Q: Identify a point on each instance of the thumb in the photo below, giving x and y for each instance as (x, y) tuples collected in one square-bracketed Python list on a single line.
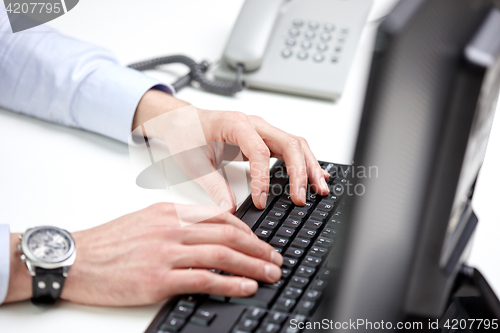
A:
[(218, 190)]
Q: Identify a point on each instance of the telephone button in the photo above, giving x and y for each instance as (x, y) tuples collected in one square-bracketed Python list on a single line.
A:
[(294, 32), (322, 47), (325, 37), (306, 44), (298, 22), (286, 53), (310, 34), (335, 59), (329, 27), (290, 42), (318, 57), (313, 25), (302, 55)]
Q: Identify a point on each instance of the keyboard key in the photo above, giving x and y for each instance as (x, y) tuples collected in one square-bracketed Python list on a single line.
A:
[(325, 206), (203, 318), (313, 224), (262, 298), (276, 285), (291, 292), (289, 262), (332, 197), (285, 232), (269, 224), (324, 273), (298, 281), (285, 273), (276, 215), (319, 215), (305, 307), (318, 284), (284, 304), (305, 271), (279, 241), (308, 206), (254, 313), (311, 197), (294, 252), (275, 317), (323, 242), (263, 234), (312, 295), (282, 205), (340, 180), (334, 223), (182, 311), (247, 325), (189, 300), (292, 223), (285, 197), (337, 189), (173, 324), (306, 233), (300, 243), (329, 233), (269, 328), (312, 261), (298, 213), (317, 251)]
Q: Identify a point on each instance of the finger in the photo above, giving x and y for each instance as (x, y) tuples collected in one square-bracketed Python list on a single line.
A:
[(218, 190), (227, 260), (223, 220), (317, 176), (290, 148), (235, 239), (200, 281), (207, 215), (242, 133)]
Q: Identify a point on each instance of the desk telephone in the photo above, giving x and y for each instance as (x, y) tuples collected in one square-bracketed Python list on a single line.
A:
[(301, 47)]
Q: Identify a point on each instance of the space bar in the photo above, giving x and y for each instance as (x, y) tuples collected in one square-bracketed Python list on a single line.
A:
[(252, 215)]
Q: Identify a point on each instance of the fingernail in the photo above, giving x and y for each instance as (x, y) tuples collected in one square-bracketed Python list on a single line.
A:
[(302, 194), (248, 286), (263, 199), (225, 205), (324, 185), (273, 272), (276, 258)]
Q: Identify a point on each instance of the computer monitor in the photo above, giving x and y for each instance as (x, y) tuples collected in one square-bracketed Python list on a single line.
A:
[(427, 115)]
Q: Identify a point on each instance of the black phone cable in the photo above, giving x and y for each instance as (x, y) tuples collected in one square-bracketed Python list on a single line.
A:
[(196, 74)]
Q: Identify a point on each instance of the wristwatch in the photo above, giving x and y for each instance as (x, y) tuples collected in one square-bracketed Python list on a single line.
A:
[(48, 253)]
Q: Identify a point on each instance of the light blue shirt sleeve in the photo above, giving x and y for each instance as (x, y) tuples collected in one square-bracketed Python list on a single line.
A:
[(4, 260), (54, 77)]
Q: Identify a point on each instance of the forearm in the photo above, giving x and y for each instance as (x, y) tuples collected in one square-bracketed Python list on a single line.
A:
[(153, 104), (19, 280)]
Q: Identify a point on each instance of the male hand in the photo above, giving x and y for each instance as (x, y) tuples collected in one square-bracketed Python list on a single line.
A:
[(146, 257), (258, 141)]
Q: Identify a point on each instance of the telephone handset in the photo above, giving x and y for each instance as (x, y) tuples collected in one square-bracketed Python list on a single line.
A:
[(300, 47)]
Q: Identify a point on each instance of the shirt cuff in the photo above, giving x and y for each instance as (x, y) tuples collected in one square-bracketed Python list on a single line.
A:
[(108, 98), (4, 260)]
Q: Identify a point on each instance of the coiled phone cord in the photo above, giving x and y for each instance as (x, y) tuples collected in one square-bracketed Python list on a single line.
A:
[(196, 74)]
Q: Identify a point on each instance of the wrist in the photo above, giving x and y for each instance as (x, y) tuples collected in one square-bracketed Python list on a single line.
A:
[(155, 103), (19, 279)]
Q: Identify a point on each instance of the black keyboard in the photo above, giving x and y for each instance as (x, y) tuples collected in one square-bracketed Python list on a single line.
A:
[(304, 235)]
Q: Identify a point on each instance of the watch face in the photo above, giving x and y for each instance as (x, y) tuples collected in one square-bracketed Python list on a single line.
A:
[(49, 245)]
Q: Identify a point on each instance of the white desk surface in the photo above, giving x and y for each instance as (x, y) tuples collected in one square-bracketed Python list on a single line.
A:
[(66, 177)]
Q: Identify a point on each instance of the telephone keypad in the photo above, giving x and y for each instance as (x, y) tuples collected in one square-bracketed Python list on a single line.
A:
[(324, 37)]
